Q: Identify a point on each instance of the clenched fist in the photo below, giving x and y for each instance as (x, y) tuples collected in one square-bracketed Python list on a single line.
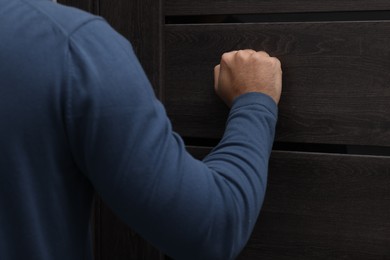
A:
[(247, 71)]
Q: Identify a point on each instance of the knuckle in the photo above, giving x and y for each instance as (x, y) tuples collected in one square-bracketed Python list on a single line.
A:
[(225, 56), (277, 63), (241, 53), (244, 55), (263, 54), (249, 51), (276, 60), (260, 55)]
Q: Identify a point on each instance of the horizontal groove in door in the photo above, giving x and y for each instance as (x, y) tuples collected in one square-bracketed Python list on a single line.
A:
[(204, 7), (280, 17), (206, 145), (336, 79)]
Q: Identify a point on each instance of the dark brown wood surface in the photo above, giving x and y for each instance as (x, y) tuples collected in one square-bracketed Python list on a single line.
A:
[(86, 5), (336, 91), (114, 240), (201, 7), (322, 206), (336, 78)]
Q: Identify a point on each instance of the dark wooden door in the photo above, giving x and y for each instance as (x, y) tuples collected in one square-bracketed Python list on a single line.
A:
[(328, 195)]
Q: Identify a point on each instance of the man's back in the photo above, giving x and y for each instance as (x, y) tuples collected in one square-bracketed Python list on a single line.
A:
[(43, 196)]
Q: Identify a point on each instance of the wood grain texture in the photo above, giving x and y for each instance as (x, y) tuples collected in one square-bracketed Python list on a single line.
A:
[(140, 22), (322, 206), (336, 78), (202, 7)]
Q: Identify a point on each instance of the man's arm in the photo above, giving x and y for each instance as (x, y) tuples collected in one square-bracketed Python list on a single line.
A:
[(123, 142)]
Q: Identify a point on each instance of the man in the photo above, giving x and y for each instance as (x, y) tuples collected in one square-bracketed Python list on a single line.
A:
[(78, 115)]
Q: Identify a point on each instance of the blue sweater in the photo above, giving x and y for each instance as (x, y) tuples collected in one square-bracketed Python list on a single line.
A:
[(79, 116)]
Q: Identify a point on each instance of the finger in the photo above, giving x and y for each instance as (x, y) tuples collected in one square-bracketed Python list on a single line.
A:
[(263, 54), (249, 51), (228, 56), (216, 76), (244, 54), (277, 63)]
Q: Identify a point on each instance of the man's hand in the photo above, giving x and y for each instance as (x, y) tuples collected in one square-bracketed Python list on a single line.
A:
[(247, 71)]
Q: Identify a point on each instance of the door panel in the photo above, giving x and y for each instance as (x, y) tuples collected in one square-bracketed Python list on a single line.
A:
[(322, 206), (336, 93), (336, 78)]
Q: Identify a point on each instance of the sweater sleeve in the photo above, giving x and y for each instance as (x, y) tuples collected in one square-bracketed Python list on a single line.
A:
[(123, 142)]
